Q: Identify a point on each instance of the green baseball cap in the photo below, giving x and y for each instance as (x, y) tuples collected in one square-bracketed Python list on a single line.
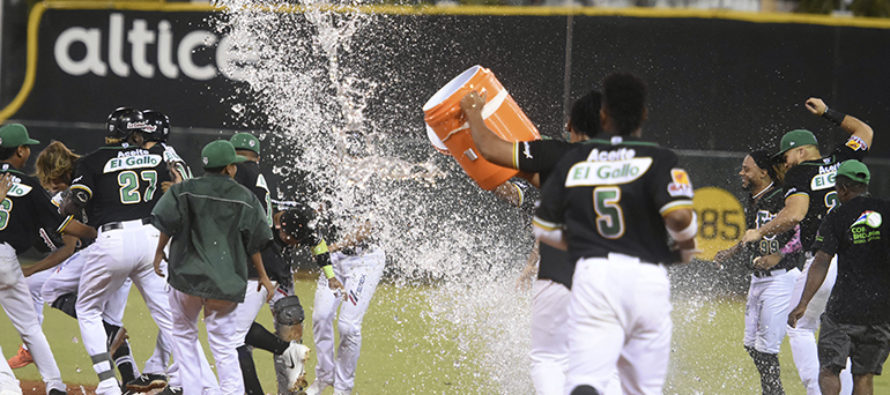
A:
[(796, 138), (246, 141), (15, 135), (854, 170), (219, 153)]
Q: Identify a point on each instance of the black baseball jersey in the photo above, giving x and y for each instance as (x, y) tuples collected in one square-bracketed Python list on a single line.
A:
[(124, 182), (25, 210), (757, 213), (609, 196), (857, 233), (249, 175), (815, 179)]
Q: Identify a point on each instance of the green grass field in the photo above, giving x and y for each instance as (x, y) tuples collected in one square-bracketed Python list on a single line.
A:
[(402, 355)]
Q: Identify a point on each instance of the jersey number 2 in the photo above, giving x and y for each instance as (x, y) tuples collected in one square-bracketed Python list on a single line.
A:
[(129, 183), (609, 217)]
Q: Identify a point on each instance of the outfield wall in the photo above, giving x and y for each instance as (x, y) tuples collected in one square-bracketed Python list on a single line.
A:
[(720, 82)]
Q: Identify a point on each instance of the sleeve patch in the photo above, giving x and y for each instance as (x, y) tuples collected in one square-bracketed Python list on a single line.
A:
[(680, 184), (856, 144)]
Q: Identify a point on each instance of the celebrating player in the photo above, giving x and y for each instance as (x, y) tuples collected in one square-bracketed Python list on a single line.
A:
[(856, 323), (612, 203), (549, 344), (774, 272), (25, 208), (216, 226), (809, 195), (250, 332)]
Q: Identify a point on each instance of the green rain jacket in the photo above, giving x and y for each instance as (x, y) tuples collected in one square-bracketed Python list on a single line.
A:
[(215, 225)]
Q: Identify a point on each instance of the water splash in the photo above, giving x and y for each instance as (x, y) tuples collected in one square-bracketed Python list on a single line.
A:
[(308, 83)]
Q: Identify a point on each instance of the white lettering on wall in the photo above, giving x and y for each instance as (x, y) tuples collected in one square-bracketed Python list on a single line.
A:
[(91, 63)]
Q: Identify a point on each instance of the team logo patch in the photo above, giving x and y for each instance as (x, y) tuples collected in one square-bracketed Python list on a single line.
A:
[(680, 184), (871, 218), (607, 173), (251, 143), (856, 144), (205, 160)]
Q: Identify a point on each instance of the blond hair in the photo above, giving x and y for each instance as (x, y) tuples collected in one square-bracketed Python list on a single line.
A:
[(55, 163)]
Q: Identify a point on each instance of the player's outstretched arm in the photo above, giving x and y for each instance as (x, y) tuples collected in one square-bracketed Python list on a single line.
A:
[(815, 277), (77, 229), (795, 210), (5, 185), (492, 148), (849, 123), (682, 226), (264, 282), (55, 258)]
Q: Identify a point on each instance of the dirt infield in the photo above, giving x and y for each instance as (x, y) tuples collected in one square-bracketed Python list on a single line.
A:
[(38, 388)]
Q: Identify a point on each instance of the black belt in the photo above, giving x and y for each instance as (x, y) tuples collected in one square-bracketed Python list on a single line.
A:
[(354, 249), (119, 225)]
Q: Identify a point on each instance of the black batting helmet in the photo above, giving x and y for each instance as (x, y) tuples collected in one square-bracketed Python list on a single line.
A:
[(161, 123), (124, 121), (298, 222)]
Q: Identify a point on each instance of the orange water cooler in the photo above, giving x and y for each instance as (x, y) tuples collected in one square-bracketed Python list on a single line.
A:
[(450, 134)]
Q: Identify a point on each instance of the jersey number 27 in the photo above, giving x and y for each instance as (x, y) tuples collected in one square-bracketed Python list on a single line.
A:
[(129, 183)]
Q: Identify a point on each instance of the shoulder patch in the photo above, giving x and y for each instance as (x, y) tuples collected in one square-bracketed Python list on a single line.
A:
[(680, 184), (607, 173), (856, 144)]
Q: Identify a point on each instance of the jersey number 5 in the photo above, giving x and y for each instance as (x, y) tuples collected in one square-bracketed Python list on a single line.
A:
[(609, 217), (129, 183)]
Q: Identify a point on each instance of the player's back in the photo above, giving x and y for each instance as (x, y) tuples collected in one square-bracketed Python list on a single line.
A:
[(815, 179), (123, 182), (250, 177), (615, 194)]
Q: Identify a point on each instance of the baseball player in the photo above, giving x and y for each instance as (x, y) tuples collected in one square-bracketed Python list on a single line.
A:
[(25, 208), (856, 323), (809, 195), (551, 293), (774, 272), (249, 176), (216, 225), (612, 203), (118, 185)]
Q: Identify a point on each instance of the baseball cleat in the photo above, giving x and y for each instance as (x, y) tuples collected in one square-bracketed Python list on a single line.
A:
[(317, 387), (119, 338), (168, 390), (147, 382), (21, 359), (294, 360)]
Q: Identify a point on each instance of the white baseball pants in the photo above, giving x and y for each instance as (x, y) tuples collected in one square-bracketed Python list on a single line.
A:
[(16, 301), (802, 338), (549, 344), (360, 275), (245, 313), (65, 279), (35, 284), (766, 313), (8, 382), (115, 256), (619, 315), (221, 335)]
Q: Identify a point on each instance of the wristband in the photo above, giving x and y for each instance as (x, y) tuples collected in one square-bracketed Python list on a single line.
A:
[(320, 248), (328, 271), (835, 117), (687, 233)]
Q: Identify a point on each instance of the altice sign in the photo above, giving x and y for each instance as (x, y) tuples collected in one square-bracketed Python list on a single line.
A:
[(141, 47)]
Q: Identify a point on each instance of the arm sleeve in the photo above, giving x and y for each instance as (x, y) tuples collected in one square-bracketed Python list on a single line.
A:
[(166, 216), (671, 186), (796, 182), (539, 155), (853, 148), (826, 240), (83, 178), (48, 216), (549, 215)]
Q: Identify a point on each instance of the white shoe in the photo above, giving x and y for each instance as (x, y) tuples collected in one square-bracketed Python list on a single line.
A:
[(294, 361), (317, 387)]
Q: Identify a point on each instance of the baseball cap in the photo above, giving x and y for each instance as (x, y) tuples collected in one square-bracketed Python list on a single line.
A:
[(15, 135), (246, 141), (854, 170), (297, 222), (796, 138), (218, 154)]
